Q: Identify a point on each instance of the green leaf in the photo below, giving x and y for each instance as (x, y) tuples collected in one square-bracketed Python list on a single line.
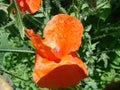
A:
[(115, 66), (3, 7), (93, 46), (23, 49), (88, 28), (9, 9), (109, 75), (5, 47), (104, 57), (85, 5), (19, 22), (1, 56), (90, 83), (3, 39), (105, 13), (116, 62), (117, 51)]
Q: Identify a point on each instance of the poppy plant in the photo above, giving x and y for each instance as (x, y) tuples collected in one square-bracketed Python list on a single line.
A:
[(28, 5), (56, 62)]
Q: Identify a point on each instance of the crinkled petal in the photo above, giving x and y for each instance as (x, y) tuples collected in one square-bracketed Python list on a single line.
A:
[(68, 72), (65, 32), (33, 5), (43, 50)]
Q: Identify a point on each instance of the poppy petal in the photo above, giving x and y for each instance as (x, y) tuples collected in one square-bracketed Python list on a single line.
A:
[(68, 72), (28, 5), (65, 32), (41, 48), (33, 5), (22, 5)]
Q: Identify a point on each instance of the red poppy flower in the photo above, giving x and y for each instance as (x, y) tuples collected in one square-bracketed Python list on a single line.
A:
[(28, 5), (56, 63)]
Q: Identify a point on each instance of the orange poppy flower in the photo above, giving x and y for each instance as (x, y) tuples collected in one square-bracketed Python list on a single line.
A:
[(56, 63), (28, 5)]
